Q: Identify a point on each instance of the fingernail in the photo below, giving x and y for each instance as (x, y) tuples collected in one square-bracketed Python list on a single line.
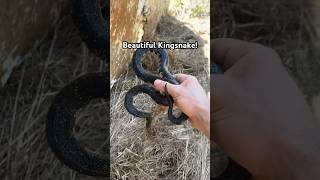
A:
[(157, 82)]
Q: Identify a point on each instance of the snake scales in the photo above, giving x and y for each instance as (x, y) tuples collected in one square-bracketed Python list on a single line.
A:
[(146, 76), (61, 116), (93, 29)]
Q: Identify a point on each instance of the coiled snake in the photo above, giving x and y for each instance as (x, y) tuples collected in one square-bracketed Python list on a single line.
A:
[(92, 25), (146, 76), (61, 116)]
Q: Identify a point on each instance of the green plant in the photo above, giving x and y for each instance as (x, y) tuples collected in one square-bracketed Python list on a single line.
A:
[(198, 11), (179, 3)]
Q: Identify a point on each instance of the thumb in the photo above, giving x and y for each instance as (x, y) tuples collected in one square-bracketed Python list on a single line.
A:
[(220, 91), (173, 90)]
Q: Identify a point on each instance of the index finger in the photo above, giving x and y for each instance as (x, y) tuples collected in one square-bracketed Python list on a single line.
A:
[(226, 52), (181, 77)]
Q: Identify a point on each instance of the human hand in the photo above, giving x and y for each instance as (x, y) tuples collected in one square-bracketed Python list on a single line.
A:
[(191, 99), (259, 116)]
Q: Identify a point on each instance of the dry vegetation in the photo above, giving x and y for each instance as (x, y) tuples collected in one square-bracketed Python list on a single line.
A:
[(172, 152), (168, 151), (24, 151), (285, 25)]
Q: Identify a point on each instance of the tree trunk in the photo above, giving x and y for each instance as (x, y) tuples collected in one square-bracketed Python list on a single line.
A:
[(130, 20)]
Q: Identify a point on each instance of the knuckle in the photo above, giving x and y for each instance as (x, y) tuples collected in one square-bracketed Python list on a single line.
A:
[(177, 89), (272, 55), (268, 54), (271, 52), (193, 78)]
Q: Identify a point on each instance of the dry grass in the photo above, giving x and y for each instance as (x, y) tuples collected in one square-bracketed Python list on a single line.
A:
[(285, 25), (168, 151), (24, 152), (171, 152)]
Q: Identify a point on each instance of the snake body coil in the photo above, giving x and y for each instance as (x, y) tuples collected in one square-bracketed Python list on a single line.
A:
[(93, 30), (61, 118), (87, 16), (148, 89)]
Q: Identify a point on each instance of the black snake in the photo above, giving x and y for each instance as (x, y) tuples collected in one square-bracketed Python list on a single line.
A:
[(61, 116), (93, 26), (148, 89)]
